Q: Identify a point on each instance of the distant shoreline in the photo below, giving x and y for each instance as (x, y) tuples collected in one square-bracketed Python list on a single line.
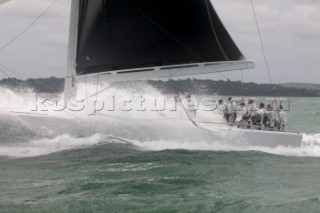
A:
[(190, 86)]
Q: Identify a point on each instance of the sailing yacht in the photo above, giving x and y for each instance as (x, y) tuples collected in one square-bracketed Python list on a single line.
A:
[(127, 40)]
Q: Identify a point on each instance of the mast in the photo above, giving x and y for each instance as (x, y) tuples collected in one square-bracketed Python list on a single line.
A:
[(70, 84)]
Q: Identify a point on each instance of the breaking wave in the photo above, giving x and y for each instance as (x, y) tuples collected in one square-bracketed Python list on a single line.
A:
[(30, 136), (47, 146), (310, 146)]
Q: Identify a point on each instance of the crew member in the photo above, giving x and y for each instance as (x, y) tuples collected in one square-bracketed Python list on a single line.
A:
[(223, 108), (231, 111), (261, 110), (244, 121), (282, 119), (258, 118), (244, 112), (252, 108), (190, 106), (269, 119)]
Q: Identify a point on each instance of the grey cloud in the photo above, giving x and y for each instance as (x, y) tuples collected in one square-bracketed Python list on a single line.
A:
[(290, 32), (42, 50), (310, 2)]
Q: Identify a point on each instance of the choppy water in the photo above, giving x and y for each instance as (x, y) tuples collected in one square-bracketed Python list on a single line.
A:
[(56, 164)]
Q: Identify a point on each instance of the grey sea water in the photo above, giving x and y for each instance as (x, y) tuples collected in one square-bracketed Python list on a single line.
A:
[(50, 164)]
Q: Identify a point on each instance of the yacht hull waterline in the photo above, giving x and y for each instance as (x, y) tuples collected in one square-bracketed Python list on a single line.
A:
[(249, 137), (230, 135)]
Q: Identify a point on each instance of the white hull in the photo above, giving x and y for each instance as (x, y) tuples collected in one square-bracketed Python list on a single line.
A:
[(256, 137), (230, 135)]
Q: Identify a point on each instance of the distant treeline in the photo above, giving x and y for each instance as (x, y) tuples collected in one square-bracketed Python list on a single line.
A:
[(231, 88), (191, 86), (39, 85)]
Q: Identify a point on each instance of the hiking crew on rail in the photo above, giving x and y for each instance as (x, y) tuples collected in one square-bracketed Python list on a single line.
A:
[(251, 117)]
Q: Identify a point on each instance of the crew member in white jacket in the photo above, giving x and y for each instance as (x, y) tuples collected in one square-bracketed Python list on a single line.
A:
[(252, 108), (282, 119), (270, 122), (231, 111)]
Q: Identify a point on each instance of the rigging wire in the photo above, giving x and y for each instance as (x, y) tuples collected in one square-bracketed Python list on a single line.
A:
[(266, 61), (149, 20), (265, 56), (8, 69), (28, 27), (241, 82), (16, 81), (4, 73), (184, 45), (263, 50), (261, 41), (86, 92), (97, 87), (163, 57), (12, 71), (171, 74), (180, 101), (16, 74), (223, 52), (173, 37)]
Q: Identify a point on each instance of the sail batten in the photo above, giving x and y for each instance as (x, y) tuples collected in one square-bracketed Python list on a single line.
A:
[(129, 34)]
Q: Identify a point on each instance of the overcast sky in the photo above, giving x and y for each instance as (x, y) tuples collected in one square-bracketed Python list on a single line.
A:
[(290, 31)]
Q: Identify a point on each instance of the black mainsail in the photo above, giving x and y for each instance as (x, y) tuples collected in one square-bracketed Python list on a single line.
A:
[(129, 34), (125, 40)]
